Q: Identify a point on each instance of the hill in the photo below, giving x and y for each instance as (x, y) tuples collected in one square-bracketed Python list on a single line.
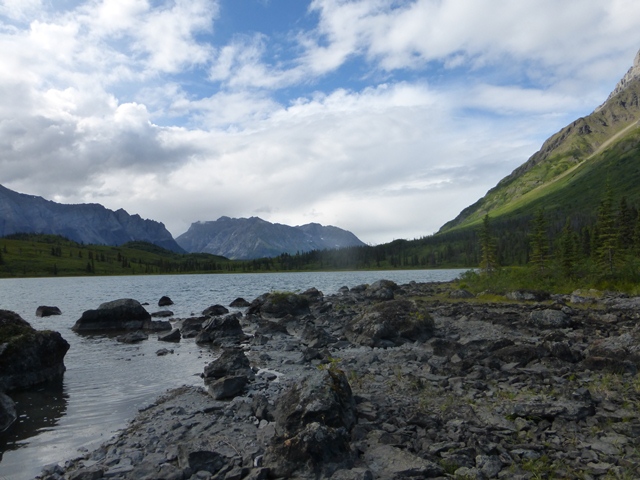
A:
[(251, 238), (87, 223)]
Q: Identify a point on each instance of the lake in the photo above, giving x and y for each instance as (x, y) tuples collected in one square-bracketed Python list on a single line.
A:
[(106, 382)]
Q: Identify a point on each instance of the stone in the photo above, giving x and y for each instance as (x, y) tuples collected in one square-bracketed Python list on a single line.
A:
[(173, 336), (162, 314), (215, 311), (227, 387), (165, 301), (222, 331), (549, 318), (386, 461), (279, 305), (28, 357), (8, 413), (239, 303), (132, 337), (123, 314), (44, 311), (390, 323), (232, 362), (462, 293)]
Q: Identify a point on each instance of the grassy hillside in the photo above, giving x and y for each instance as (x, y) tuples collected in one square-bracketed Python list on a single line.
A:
[(570, 159), (34, 255)]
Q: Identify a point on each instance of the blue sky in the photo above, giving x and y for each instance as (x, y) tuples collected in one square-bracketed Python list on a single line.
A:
[(383, 117)]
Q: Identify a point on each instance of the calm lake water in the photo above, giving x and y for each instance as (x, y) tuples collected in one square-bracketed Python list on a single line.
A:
[(106, 382)]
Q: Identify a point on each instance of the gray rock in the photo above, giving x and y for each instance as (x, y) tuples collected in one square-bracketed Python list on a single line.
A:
[(7, 412), (386, 461), (222, 331), (215, 311), (549, 318), (232, 362), (165, 301), (227, 387), (173, 336), (132, 337), (44, 311), (123, 314)]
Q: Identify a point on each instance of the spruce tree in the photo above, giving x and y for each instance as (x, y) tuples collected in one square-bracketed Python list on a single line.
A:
[(488, 246), (568, 250), (539, 241), (607, 235)]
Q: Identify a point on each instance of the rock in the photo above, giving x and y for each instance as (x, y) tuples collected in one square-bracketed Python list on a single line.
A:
[(215, 311), (89, 473), (386, 461), (123, 314), (222, 331), (44, 311), (232, 362), (132, 337), (201, 460), (162, 314), (28, 357), (190, 327), (390, 323), (381, 290), (549, 318), (7, 412), (462, 293), (165, 301), (159, 325), (527, 296), (315, 337), (279, 305), (239, 303), (227, 387), (313, 421), (173, 336), (163, 351)]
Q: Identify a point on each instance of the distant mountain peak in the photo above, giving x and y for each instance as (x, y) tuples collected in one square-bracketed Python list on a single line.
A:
[(250, 238), (632, 74)]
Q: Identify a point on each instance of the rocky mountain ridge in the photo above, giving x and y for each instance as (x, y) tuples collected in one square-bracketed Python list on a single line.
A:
[(250, 238), (88, 223), (576, 146)]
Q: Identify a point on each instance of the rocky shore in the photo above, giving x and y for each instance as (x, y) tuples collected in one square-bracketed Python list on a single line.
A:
[(386, 382)]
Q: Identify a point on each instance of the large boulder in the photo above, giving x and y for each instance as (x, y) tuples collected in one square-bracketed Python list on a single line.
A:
[(279, 305), (222, 331), (123, 314), (27, 356), (389, 324), (313, 419)]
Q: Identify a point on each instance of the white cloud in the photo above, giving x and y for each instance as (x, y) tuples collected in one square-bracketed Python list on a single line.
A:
[(386, 117)]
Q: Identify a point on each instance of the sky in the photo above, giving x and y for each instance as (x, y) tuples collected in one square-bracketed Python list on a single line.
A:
[(382, 117)]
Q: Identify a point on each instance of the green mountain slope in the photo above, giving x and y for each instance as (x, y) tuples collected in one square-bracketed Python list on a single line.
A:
[(568, 174)]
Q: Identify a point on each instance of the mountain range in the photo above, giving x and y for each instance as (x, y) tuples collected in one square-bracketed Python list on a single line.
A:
[(250, 238), (241, 239)]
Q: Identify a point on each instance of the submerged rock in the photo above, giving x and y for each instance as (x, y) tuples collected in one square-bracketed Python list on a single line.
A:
[(45, 311)]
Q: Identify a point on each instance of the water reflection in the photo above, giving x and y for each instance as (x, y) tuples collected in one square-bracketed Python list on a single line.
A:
[(39, 409)]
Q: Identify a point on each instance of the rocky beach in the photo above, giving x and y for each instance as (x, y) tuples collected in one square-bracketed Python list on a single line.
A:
[(384, 381)]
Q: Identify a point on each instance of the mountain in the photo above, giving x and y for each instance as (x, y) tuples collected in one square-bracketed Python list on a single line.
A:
[(249, 238), (567, 176), (87, 223)]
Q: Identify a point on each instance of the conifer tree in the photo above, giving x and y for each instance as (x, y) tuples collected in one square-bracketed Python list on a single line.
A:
[(489, 259), (606, 233), (626, 226), (568, 250), (539, 241)]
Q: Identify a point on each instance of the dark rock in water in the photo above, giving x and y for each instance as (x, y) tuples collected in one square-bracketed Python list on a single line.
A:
[(159, 325), (215, 311), (389, 324), (123, 314), (279, 305), (313, 423), (227, 387), (239, 303), (44, 311), (165, 301), (162, 314), (232, 362), (163, 351), (7, 412), (190, 327), (27, 356), (132, 337), (222, 331), (173, 336)]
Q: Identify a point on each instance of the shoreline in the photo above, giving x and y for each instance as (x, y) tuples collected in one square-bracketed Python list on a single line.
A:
[(497, 390)]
